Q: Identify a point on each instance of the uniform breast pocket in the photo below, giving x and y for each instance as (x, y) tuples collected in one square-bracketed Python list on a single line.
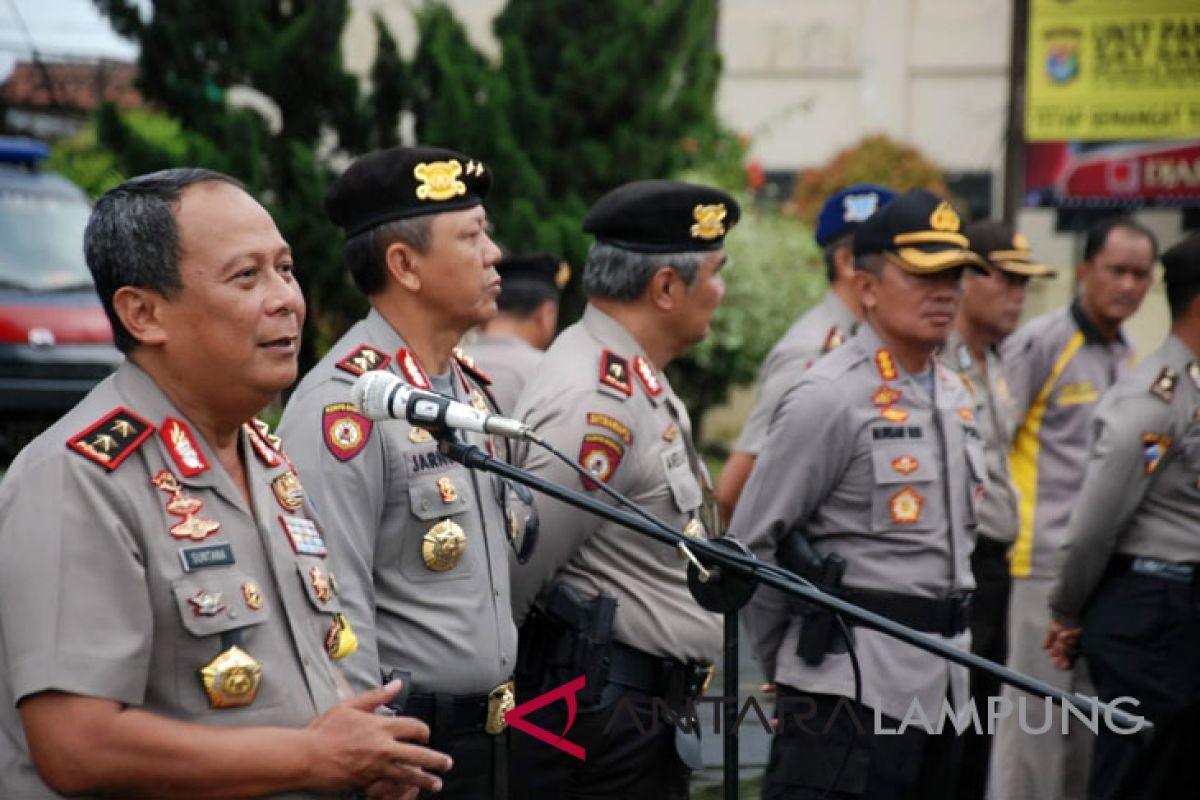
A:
[(685, 489), (436, 544), (905, 482)]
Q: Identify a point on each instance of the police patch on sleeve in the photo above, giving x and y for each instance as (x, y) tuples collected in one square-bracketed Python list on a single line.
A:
[(1154, 447), (345, 430), (600, 456)]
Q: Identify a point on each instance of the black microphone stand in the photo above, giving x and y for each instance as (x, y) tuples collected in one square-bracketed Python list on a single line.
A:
[(739, 573)]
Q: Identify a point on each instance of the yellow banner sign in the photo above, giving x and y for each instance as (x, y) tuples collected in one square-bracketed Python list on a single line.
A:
[(1112, 69)]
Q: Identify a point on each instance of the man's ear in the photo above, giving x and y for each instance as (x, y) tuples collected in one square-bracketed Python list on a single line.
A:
[(402, 261), (141, 311), (866, 284), (843, 262), (664, 288)]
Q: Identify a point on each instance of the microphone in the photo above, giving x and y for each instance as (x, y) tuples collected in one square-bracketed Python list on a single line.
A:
[(382, 395)]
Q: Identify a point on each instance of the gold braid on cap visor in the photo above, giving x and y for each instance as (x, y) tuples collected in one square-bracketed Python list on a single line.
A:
[(920, 262)]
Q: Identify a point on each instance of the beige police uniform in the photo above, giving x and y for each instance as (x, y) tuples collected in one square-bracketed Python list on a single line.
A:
[(597, 397), (823, 328), (874, 469), (132, 563), (508, 361), (422, 540)]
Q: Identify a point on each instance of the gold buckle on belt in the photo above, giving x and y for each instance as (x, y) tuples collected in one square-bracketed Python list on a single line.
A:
[(501, 700)]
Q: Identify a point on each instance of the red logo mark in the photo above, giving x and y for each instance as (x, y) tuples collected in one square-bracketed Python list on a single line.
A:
[(516, 717)]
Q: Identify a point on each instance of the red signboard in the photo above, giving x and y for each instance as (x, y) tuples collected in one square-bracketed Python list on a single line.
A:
[(1074, 174)]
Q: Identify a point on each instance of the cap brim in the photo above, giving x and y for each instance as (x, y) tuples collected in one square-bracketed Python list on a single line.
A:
[(1025, 268), (933, 258)]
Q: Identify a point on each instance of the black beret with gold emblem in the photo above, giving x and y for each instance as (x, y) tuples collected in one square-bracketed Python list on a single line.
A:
[(918, 232), (659, 216), (538, 274), (1004, 248), (1181, 264), (404, 182)]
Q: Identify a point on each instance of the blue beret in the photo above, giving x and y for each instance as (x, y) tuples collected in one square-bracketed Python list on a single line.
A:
[(844, 210)]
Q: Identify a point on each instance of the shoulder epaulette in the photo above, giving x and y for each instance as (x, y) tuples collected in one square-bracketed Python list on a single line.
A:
[(833, 339), (614, 373), (363, 358), (112, 438), (648, 376), (1164, 385), (468, 365)]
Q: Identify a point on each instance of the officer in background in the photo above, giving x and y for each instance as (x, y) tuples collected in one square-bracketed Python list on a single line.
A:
[(422, 540), (168, 621), (819, 330), (872, 467), (991, 307), (510, 345), (1133, 562), (607, 602), (1059, 365)]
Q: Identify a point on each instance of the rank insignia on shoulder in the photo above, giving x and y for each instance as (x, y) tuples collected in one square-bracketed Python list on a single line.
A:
[(112, 438), (468, 365), (612, 424), (443, 545), (600, 456), (893, 414), (833, 340), (885, 364), (614, 372), (648, 376), (288, 491), (1154, 447), (884, 396), (231, 679), (304, 537), (346, 430), (184, 449), (414, 373), (364, 358), (340, 640), (266, 454), (906, 506), (1164, 385)]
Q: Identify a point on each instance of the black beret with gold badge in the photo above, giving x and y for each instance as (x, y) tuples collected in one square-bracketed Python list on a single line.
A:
[(920, 233), (1181, 264), (1004, 248), (404, 182), (660, 216)]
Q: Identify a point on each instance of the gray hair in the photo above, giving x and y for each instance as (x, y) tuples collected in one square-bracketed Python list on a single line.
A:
[(618, 274), (132, 238), (365, 253)]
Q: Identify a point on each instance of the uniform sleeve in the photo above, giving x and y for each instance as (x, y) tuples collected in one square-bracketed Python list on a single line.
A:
[(75, 612), (563, 528), (1021, 364), (777, 377), (1113, 488), (804, 456), (348, 499)]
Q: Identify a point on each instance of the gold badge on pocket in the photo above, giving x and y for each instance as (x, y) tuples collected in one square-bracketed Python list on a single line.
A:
[(288, 491), (443, 546), (231, 679)]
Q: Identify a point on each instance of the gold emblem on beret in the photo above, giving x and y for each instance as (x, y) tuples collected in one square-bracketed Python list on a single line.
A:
[(439, 180), (1019, 242), (563, 276), (231, 679), (288, 491), (710, 222), (443, 545), (944, 218)]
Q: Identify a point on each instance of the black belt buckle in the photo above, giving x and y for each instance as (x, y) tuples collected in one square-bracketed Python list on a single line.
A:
[(400, 701), (959, 618)]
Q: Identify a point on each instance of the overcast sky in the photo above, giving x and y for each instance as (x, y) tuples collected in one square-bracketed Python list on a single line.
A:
[(57, 28)]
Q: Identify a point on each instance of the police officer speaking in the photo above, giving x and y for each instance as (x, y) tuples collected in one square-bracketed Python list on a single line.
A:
[(423, 541), (610, 604), (169, 621), (872, 464)]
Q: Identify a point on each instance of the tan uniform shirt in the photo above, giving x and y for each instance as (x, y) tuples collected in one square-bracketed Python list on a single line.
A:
[(993, 416), (124, 582), (1141, 495), (827, 325), (421, 539), (508, 362), (874, 469), (590, 399)]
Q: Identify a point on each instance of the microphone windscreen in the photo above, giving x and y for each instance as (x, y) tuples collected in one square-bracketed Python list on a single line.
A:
[(370, 393)]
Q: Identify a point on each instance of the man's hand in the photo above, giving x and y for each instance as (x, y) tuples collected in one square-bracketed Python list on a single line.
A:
[(356, 747), (1062, 645)]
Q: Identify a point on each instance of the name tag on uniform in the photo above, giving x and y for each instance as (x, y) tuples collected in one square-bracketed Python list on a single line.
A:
[(897, 432), (211, 555)]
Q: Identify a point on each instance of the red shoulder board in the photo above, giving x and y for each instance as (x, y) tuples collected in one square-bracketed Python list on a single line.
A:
[(614, 372), (414, 373), (648, 376), (254, 434), (184, 448), (112, 438), (346, 430), (468, 365), (364, 359)]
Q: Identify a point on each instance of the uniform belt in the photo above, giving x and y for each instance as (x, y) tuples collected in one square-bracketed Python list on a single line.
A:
[(947, 616), (658, 676), (1176, 571), (461, 714)]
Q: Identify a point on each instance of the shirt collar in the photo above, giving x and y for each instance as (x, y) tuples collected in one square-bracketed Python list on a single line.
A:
[(1091, 334)]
